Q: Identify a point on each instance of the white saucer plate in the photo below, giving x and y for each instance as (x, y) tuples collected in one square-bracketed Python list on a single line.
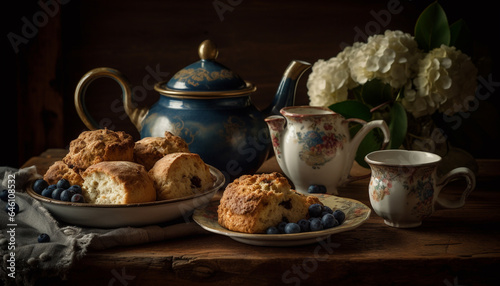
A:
[(356, 214)]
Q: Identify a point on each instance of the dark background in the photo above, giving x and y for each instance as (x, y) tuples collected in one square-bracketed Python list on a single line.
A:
[(257, 39)]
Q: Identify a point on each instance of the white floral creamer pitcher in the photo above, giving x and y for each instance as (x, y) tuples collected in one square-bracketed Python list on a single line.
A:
[(313, 145)]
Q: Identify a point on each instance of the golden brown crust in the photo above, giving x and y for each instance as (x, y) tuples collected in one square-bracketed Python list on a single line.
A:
[(252, 203), (96, 146), (59, 170), (151, 149), (127, 180), (246, 193), (181, 174)]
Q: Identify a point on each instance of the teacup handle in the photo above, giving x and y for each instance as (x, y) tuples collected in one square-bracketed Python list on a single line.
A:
[(453, 175)]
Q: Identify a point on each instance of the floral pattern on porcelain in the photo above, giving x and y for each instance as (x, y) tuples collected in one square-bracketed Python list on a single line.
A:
[(381, 182), (423, 190), (417, 182), (320, 142)]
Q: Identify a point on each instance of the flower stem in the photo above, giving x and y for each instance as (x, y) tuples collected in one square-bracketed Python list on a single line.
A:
[(380, 106)]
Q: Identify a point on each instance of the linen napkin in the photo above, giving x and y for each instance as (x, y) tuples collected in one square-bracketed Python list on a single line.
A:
[(24, 259)]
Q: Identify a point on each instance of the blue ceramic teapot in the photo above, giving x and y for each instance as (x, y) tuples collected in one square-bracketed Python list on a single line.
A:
[(209, 106)]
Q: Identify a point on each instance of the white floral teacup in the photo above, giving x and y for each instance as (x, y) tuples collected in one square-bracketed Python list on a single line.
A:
[(404, 187)]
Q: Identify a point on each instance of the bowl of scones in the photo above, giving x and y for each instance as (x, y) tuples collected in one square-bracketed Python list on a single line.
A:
[(118, 182)]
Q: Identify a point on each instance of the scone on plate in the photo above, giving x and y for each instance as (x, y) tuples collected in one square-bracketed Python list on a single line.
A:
[(59, 170), (178, 175), (100, 145), (151, 149), (117, 182), (252, 203)]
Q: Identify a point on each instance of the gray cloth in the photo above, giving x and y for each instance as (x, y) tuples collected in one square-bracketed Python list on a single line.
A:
[(25, 259)]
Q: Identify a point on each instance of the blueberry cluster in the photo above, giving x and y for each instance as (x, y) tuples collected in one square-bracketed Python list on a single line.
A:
[(63, 191), (320, 217)]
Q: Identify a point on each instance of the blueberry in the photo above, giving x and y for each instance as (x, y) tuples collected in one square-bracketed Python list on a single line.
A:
[(76, 188), (47, 192), (77, 198), (43, 238), (316, 224), (329, 221), (315, 210), (292, 227), (316, 189), (4, 195), (66, 195), (63, 183), (9, 208), (281, 227), (304, 225), (56, 194), (339, 216), (52, 187), (272, 230), (327, 209), (39, 185)]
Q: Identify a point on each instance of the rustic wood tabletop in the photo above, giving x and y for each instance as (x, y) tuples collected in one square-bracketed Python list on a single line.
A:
[(453, 247)]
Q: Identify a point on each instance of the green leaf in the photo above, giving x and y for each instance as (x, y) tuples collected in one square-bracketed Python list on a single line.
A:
[(375, 92), (352, 109), (431, 29), (398, 125), (461, 37)]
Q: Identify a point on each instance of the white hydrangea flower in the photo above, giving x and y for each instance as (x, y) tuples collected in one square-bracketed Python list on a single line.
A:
[(329, 80), (446, 77), (389, 57)]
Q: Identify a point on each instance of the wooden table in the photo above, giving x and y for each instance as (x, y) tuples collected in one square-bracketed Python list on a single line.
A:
[(453, 247)]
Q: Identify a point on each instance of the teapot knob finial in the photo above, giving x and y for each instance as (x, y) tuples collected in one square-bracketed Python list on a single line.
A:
[(208, 50)]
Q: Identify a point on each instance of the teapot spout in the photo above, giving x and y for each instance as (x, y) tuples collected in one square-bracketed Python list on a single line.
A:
[(285, 95)]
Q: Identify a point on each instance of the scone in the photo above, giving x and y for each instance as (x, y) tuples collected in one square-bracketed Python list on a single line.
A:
[(59, 170), (151, 149), (252, 203), (117, 182), (96, 146), (178, 175)]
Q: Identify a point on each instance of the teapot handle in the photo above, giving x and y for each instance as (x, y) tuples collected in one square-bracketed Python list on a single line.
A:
[(135, 114)]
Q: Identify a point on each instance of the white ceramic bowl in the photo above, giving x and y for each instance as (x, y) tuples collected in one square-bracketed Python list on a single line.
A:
[(141, 214)]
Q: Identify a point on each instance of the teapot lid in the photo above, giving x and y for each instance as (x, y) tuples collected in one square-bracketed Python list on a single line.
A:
[(205, 78)]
